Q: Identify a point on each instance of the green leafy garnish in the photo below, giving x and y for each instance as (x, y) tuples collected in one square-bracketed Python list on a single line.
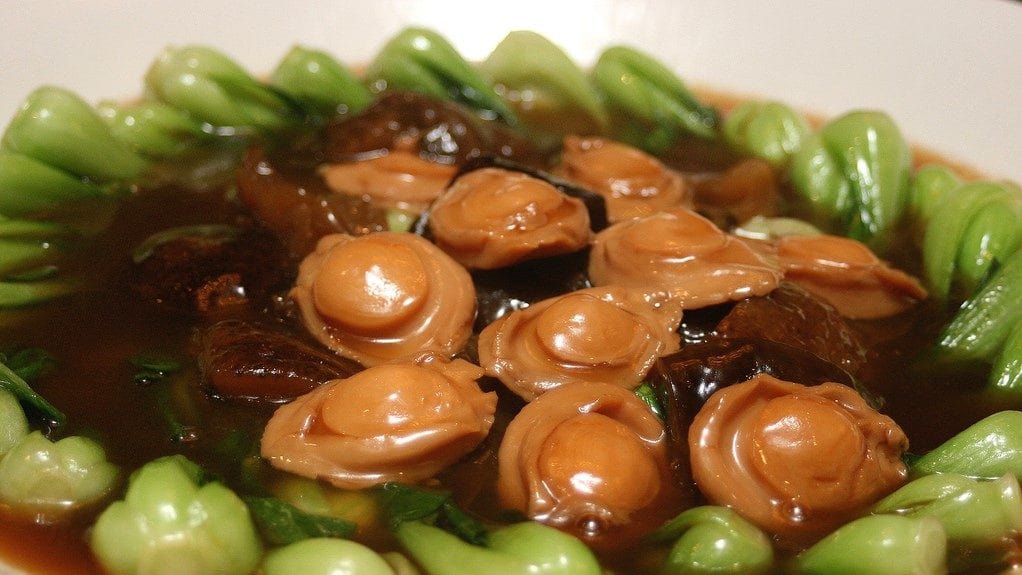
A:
[(281, 523), (406, 503), (13, 383)]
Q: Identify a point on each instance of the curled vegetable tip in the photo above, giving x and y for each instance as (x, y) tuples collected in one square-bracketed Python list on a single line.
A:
[(155, 129), (711, 539), (214, 89), (979, 517), (855, 171), (421, 60), (325, 556), (49, 479), (879, 545), (57, 128), (769, 130), (986, 449), (975, 225), (319, 81), (169, 518), (647, 91), (15, 384), (550, 92), (520, 548), (984, 323)]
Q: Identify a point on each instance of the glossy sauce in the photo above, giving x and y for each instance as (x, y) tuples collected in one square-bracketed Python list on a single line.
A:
[(95, 333)]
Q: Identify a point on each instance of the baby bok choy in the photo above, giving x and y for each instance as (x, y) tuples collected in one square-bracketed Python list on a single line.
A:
[(855, 174), (421, 60), (967, 228), (980, 517), (987, 328), (49, 480), (59, 167), (171, 522), (987, 449), (636, 86), (212, 88), (39, 478), (769, 130), (325, 556), (710, 539), (547, 89), (879, 545), (443, 540), (319, 81)]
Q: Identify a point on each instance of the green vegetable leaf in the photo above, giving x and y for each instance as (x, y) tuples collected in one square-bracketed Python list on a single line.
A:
[(548, 90), (648, 395), (13, 383), (856, 172), (28, 362), (409, 503), (57, 128), (635, 84), (321, 82), (983, 323), (214, 89), (281, 523), (975, 224), (423, 61), (769, 130)]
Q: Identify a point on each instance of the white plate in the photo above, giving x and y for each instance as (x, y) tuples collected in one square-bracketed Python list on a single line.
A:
[(948, 71)]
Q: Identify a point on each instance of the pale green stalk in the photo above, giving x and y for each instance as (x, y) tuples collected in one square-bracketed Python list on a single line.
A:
[(549, 91), (521, 548), (714, 540), (57, 128), (170, 523), (318, 80), (855, 171), (986, 449), (423, 61), (769, 130), (47, 479), (325, 556), (879, 545)]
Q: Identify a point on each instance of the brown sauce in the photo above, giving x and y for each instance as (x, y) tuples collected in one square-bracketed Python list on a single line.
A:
[(95, 333)]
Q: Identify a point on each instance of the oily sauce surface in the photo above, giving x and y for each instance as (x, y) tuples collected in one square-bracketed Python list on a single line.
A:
[(96, 333)]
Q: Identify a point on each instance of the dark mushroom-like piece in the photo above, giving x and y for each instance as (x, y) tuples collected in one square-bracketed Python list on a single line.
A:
[(243, 361)]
